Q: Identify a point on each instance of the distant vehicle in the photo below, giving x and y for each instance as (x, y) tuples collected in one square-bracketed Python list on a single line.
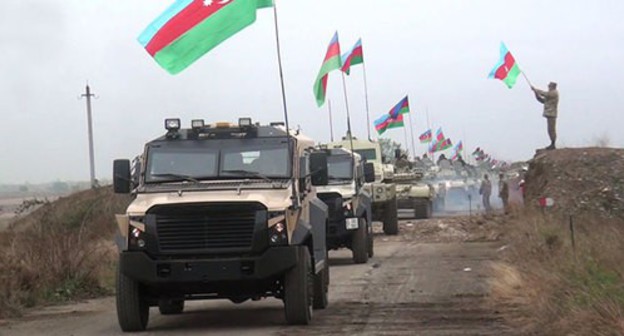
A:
[(222, 211), (350, 213), (383, 190), (414, 193)]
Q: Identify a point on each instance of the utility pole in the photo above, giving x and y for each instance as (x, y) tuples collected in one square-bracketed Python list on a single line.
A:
[(89, 95)]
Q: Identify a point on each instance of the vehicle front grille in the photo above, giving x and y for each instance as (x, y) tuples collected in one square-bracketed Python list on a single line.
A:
[(184, 228)]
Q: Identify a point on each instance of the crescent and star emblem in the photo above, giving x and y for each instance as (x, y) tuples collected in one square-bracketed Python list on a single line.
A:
[(208, 3)]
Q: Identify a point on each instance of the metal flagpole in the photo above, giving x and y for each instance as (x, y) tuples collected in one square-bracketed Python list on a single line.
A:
[(295, 199), (368, 122), (412, 134), (331, 122), (349, 134), (406, 142)]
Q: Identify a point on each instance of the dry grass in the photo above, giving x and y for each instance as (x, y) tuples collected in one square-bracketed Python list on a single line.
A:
[(61, 251), (550, 288)]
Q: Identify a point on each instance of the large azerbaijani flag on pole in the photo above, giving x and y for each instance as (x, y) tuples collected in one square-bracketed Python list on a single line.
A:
[(188, 29), (386, 122), (353, 57), (507, 69), (331, 62)]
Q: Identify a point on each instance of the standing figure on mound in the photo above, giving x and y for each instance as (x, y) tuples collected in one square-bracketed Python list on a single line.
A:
[(550, 99)]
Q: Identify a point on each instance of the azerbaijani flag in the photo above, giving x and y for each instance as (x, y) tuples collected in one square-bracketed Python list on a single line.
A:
[(456, 156), (440, 146), (386, 122), (353, 57), (459, 147), (188, 29), (507, 69), (425, 137), (476, 151), (331, 62), (400, 108), (439, 135)]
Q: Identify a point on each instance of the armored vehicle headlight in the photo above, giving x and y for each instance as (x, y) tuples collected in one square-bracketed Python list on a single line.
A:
[(197, 124), (172, 124), (278, 235)]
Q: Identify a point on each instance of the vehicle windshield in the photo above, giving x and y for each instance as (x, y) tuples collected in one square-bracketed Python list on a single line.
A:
[(339, 167), (194, 161), (368, 154)]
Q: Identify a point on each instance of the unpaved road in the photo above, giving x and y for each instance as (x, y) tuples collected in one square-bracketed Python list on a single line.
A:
[(410, 287)]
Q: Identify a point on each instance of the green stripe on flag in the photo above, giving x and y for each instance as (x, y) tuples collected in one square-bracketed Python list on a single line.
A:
[(512, 76), (331, 64)]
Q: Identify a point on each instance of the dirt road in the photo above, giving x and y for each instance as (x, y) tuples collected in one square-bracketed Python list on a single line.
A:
[(410, 287)]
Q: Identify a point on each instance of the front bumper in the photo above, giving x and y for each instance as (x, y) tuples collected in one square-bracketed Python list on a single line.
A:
[(273, 262)]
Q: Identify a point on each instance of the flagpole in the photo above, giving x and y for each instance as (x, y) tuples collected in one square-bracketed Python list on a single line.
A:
[(406, 141), (412, 134), (349, 134), (429, 127), (295, 199), (368, 122), (331, 123), (526, 78)]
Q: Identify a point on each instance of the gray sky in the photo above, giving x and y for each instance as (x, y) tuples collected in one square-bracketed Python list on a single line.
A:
[(439, 52)]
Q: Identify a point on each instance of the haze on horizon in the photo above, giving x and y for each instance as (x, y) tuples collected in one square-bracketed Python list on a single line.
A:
[(438, 52)]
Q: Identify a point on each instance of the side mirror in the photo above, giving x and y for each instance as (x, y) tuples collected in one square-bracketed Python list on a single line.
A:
[(318, 168), (121, 176), (369, 172)]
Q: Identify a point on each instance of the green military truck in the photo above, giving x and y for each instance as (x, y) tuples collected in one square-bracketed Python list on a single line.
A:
[(350, 212), (383, 189), (222, 211)]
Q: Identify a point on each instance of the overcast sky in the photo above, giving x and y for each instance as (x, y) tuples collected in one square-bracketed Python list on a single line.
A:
[(439, 52)]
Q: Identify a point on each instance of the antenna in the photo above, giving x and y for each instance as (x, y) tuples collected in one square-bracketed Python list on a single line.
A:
[(294, 197)]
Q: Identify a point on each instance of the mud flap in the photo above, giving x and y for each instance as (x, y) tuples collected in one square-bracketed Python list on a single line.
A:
[(318, 217)]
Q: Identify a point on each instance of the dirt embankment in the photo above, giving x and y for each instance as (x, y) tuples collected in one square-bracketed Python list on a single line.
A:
[(562, 271), (59, 252), (584, 181)]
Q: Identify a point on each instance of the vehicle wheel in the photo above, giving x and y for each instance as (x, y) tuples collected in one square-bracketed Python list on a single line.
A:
[(422, 209), (170, 307), (321, 287), (429, 209), (359, 244), (391, 219), (132, 306), (371, 241), (298, 290)]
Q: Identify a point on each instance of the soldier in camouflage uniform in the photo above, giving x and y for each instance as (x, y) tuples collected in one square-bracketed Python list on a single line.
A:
[(550, 99)]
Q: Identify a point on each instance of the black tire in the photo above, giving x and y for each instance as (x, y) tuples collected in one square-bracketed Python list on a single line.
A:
[(321, 287), (170, 307), (371, 241), (359, 243), (132, 306), (391, 219), (298, 290), (422, 209)]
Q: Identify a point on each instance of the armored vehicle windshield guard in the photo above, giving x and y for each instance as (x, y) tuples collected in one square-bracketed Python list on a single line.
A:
[(222, 212)]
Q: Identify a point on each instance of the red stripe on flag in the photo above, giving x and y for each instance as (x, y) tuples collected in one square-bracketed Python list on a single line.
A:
[(184, 21), (501, 73), (332, 51)]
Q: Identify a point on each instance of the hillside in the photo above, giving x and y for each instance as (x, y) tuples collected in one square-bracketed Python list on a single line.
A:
[(583, 181)]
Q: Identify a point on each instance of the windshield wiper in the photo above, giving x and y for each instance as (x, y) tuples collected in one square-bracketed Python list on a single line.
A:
[(178, 176), (247, 173), (340, 178)]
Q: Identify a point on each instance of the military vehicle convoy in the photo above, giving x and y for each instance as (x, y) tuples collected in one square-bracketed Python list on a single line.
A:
[(382, 190), (350, 212), (222, 211), (414, 193)]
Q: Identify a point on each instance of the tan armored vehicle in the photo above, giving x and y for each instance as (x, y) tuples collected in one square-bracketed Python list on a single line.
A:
[(383, 190), (350, 214), (222, 211), (414, 193)]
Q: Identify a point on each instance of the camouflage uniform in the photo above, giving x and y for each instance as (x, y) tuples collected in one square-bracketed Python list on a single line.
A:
[(503, 193), (550, 99)]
